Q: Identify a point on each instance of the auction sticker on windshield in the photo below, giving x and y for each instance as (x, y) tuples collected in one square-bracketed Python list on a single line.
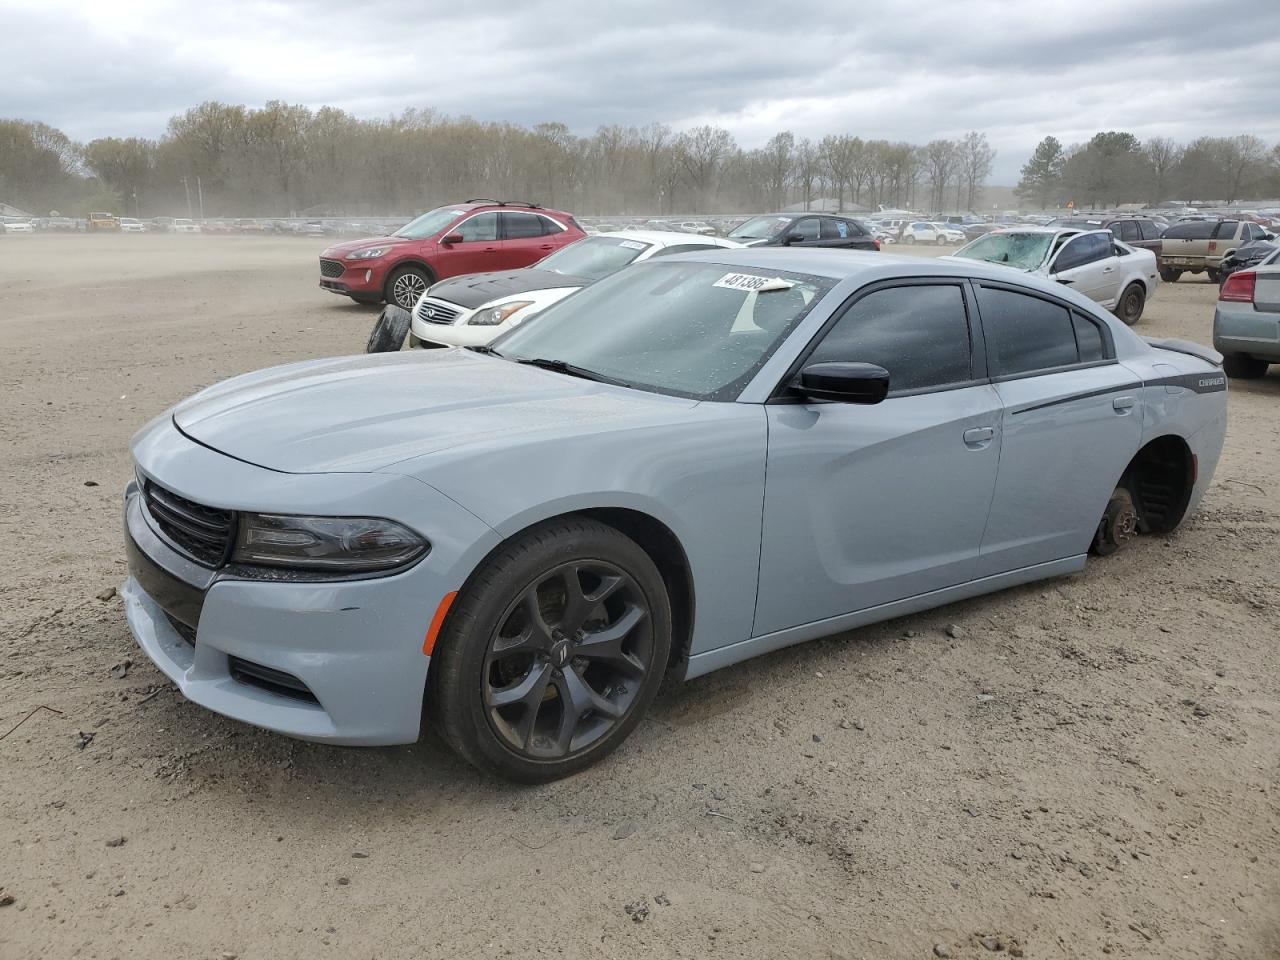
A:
[(633, 244), (750, 282)]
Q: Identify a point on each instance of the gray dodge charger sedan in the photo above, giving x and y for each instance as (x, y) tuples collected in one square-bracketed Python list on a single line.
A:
[(692, 462)]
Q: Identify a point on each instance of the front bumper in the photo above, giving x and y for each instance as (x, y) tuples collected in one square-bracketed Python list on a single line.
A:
[(360, 277), (354, 647), (1240, 328)]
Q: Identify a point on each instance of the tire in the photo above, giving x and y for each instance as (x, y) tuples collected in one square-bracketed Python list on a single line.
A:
[(1214, 276), (909, 238), (1169, 276), (389, 330), (1129, 307), (941, 241), (1119, 524), (500, 682), (405, 285), (1238, 366)]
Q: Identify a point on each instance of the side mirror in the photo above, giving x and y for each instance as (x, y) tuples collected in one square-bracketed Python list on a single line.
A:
[(845, 382), (1268, 236), (791, 238), (451, 238)]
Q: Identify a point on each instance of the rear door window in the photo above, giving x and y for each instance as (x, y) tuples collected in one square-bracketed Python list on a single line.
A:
[(1150, 230), (1025, 334), (1127, 230), (833, 229), (1226, 229), (522, 226)]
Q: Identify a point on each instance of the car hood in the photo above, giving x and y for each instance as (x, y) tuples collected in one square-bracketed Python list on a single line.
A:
[(474, 289), (364, 413), (339, 250)]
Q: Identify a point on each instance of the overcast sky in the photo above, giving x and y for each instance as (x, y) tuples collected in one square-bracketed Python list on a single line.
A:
[(1016, 69)]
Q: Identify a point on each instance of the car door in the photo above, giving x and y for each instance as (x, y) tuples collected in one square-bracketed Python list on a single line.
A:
[(1089, 264), (478, 249), (1071, 422), (866, 504), (524, 239)]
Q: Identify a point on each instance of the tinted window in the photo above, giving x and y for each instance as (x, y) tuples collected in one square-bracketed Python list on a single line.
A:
[(1127, 230), (521, 226), (1082, 250), (549, 226), (919, 334), (1226, 229), (1191, 230), (1150, 230), (1088, 339), (806, 229), (1025, 333), (833, 229), (482, 227)]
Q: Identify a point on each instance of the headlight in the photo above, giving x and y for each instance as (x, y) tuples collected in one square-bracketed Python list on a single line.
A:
[(367, 254), (492, 316), (355, 544)]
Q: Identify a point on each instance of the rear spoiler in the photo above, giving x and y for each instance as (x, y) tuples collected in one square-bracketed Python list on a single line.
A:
[(1199, 351)]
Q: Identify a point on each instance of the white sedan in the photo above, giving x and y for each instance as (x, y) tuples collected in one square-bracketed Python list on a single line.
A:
[(183, 225), (923, 231), (132, 225), (471, 310), (16, 225), (1093, 262)]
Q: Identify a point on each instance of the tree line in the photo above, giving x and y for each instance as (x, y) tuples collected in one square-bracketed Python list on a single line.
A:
[(284, 159), (1115, 167)]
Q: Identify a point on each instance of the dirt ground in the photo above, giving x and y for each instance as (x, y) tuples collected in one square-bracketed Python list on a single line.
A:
[(1089, 767)]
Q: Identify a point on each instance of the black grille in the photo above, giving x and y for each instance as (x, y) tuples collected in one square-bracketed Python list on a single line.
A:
[(331, 268), (267, 678), (202, 533), (186, 632), (437, 311)]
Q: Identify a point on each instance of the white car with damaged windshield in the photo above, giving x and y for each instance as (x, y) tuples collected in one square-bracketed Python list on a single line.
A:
[(471, 310), (1093, 262)]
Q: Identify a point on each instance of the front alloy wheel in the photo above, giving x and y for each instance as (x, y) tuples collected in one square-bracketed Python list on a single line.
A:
[(552, 652), (405, 286), (568, 659)]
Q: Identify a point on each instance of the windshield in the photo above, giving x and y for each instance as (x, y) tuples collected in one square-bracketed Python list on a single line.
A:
[(428, 224), (1026, 251), (594, 257), (698, 330), (759, 228)]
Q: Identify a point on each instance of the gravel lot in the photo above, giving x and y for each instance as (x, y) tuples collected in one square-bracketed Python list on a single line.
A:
[(1089, 766)]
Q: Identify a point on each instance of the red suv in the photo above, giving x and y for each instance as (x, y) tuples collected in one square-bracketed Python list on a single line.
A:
[(472, 237)]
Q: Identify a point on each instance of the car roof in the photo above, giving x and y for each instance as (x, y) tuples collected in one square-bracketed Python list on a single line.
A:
[(668, 238)]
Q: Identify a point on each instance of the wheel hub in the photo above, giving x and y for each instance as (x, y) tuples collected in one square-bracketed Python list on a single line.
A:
[(560, 653)]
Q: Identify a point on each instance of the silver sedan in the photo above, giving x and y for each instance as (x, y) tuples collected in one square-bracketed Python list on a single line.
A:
[(691, 462)]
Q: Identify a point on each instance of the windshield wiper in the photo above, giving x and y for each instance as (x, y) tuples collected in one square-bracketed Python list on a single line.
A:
[(569, 369)]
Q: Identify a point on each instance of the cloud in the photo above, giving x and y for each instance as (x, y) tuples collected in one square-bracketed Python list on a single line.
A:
[(900, 71)]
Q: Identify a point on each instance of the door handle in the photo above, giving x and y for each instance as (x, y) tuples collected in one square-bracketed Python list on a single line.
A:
[(546, 246), (977, 436), (1123, 404), (1108, 269), (490, 249)]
